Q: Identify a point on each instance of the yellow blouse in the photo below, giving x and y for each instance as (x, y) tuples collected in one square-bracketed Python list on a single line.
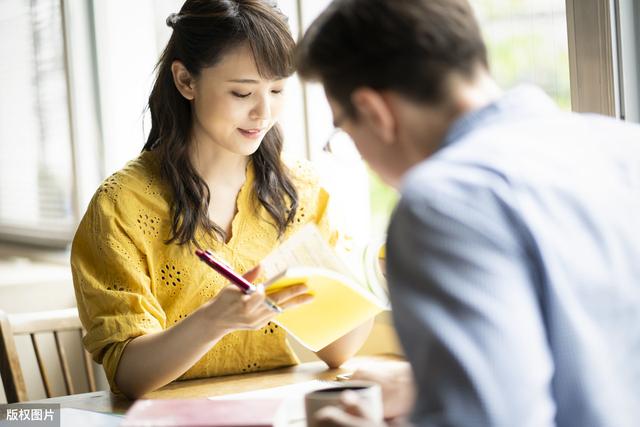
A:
[(129, 282)]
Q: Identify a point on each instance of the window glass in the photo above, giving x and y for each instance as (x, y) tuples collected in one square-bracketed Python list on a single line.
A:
[(35, 145), (527, 42)]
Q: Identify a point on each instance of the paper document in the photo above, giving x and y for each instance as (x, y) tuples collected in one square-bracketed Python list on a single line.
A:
[(281, 392), (292, 396), (306, 248), (340, 302), (339, 306)]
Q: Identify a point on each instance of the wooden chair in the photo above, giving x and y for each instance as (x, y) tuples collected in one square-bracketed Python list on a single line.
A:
[(31, 324)]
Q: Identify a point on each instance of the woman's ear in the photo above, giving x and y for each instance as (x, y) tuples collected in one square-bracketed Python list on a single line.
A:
[(373, 110), (183, 80)]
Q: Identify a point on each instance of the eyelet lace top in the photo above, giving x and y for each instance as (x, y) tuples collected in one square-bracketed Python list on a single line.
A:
[(129, 282)]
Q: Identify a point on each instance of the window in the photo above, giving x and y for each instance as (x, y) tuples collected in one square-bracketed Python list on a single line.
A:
[(527, 42), (59, 140), (35, 139)]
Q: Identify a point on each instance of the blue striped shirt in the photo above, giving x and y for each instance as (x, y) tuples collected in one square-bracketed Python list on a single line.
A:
[(514, 269)]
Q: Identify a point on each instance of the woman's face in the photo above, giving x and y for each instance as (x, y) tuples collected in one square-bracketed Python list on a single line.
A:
[(234, 107)]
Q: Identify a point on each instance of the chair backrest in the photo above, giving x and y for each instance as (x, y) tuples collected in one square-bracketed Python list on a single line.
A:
[(53, 322)]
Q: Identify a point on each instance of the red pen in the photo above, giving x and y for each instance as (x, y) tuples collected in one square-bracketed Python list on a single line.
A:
[(227, 272)]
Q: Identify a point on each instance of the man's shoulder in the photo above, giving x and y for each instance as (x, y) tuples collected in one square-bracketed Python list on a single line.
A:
[(441, 178), (525, 153), (449, 195)]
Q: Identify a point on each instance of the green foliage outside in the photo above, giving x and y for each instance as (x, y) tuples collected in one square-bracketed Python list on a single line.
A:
[(383, 199)]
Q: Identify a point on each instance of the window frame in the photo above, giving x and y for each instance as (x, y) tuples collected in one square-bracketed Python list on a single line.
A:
[(604, 48), (627, 14), (593, 57)]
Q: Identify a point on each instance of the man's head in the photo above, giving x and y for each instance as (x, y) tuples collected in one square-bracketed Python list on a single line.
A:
[(390, 69)]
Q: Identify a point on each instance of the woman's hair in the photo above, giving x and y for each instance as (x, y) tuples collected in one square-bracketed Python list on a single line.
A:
[(203, 32)]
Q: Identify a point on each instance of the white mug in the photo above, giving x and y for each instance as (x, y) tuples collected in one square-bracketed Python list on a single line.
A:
[(369, 396)]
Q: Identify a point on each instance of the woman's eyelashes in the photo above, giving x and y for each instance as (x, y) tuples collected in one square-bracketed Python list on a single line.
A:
[(245, 95)]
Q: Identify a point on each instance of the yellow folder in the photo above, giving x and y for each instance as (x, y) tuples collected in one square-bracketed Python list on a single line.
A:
[(343, 298), (339, 305)]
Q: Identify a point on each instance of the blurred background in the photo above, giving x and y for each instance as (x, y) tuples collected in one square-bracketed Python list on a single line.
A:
[(76, 75)]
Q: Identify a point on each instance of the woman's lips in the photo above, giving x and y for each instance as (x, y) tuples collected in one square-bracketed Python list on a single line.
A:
[(251, 133)]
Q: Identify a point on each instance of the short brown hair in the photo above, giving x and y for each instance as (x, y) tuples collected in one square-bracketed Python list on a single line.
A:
[(409, 46)]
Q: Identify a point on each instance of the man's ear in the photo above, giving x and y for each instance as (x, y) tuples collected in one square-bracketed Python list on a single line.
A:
[(372, 108), (183, 80)]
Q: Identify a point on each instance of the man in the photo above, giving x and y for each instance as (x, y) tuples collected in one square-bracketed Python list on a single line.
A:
[(514, 252)]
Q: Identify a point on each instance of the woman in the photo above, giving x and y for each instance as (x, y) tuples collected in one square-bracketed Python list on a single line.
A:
[(210, 176)]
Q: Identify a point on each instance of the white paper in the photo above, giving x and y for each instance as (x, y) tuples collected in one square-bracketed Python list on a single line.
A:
[(292, 395), (281, 392), (306, 248)]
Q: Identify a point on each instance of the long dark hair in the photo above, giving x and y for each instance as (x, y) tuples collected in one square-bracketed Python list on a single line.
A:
[(203, 31)]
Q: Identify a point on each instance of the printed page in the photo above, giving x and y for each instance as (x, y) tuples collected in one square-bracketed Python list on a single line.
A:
[(306, 248), (340, 302)]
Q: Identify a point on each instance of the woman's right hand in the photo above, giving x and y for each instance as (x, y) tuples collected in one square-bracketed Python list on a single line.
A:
[(231, 309)]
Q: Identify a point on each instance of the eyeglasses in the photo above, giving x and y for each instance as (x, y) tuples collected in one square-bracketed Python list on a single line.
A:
[(341, 146), (327, 145)]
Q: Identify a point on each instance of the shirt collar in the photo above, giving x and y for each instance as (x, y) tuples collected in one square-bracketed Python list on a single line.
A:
[(519, 102)]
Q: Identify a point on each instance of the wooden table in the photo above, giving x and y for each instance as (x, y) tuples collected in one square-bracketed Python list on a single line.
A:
[(105, 401)]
